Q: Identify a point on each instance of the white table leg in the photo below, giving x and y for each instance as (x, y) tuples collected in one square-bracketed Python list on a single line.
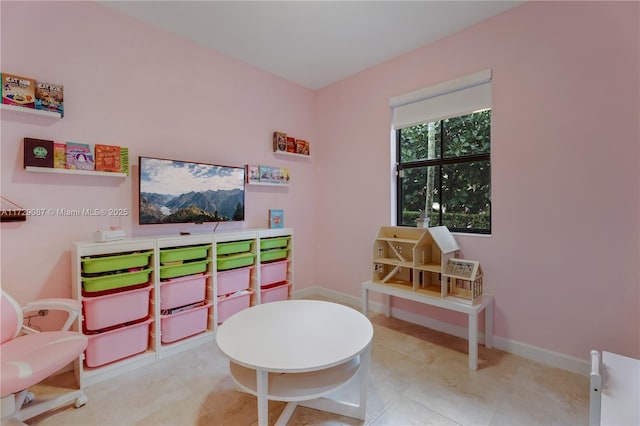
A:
[(262, 384), (488, 325), (473, 342), (365, 359), (356, 410), (286, 414)]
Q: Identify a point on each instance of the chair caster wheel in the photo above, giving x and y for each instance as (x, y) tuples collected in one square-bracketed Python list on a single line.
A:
[(80, 401)]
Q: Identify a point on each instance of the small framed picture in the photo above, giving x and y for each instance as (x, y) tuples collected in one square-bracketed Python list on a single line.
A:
[(276, 218)]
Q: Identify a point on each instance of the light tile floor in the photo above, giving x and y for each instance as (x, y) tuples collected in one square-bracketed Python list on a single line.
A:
[(418, 377)]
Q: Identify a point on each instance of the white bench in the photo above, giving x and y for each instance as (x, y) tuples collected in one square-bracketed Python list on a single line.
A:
[(472, 311)]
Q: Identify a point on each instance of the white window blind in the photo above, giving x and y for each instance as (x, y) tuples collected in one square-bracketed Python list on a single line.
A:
[(453, 98)]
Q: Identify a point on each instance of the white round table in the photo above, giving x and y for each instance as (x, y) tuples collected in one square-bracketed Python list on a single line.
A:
[(298, 351)]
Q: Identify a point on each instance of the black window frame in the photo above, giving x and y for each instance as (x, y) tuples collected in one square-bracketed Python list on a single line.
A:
[(438, 162)]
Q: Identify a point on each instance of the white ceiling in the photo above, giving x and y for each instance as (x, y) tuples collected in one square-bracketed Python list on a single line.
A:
[(313, 43)]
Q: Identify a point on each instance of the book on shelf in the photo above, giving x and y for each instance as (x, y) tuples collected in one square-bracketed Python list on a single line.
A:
[(291, 144), (279, 142), (276, 218), (302, 147), (253, 173), (275, 175), (107, 158), (124, 160), (284, 175), (49, 97), (79, 156), (38, 152), (59, 155), (265, 173), (20, 91)]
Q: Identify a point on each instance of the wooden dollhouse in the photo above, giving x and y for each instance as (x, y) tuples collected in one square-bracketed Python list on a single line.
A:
[(426, 261)]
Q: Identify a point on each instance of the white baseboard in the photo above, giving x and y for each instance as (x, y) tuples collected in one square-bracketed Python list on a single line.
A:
[(554, 359)]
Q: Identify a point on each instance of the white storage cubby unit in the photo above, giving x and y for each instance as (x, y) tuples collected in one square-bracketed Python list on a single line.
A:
[(234, 285), (145, 299), (115, 282), (184, 290), (274, 276)]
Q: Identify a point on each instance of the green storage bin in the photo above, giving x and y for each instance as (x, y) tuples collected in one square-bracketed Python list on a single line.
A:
[(113, 281), (94, 265), (230, 261), (184, 253), (187, 268), (275, 242), (233, 247), (275, 254)]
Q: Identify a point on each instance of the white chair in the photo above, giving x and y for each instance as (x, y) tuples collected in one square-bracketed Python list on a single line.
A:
[(615, 390), (595, 383), (28, 357)]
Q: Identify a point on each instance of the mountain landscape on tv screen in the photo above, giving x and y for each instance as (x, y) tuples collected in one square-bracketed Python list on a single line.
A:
[(192, 207)]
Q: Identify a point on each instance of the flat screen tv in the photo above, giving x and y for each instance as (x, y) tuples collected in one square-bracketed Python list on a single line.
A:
[(173, 191)]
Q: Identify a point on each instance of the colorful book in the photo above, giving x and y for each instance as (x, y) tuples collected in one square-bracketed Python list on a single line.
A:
[(284, 175), (253, 174), (18, 91), (265, 174), (275, 175), (291, 144), (279, 142), (79, 156), (59, 155), (49, 97), (38, 152), (107, 158), (276, 218), (124, 160), (302, 147)]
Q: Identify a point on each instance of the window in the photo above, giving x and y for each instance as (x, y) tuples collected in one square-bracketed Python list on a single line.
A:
[(443, 155)]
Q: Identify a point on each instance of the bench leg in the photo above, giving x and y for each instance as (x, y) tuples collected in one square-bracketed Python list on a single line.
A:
[(473, 342), (488, 326), (365, 301)]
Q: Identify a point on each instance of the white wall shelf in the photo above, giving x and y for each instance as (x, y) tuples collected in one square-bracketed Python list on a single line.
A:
[(284, 185), (12, 109), (290, 155), (74, 172)]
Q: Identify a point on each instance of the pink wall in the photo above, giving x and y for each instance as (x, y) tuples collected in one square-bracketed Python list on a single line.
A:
[(563, 258), (130, 84), (562, 261)]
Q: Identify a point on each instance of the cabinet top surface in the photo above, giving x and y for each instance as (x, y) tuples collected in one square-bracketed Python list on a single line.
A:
[(227, 235), (294, 335)]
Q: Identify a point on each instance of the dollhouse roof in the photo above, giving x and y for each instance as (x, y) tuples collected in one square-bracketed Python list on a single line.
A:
[(444, 239), (463, 269)]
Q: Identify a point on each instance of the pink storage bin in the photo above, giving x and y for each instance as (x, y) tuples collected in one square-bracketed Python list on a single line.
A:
[(273, 272), (121, 342), (183, 291), (116, 308), (184, 324), (234, 280), (233, 303), (275, 292)]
